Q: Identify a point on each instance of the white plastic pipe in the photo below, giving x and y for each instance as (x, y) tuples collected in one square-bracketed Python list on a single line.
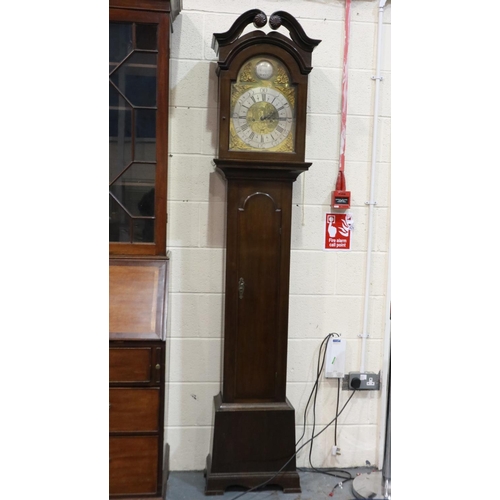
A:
[(384, 378), (371, 202)]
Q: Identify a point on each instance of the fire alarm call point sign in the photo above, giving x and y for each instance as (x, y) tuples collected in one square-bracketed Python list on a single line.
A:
[(338, 231)]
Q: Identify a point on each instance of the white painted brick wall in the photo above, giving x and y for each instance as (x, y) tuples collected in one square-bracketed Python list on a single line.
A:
[(327, 288)]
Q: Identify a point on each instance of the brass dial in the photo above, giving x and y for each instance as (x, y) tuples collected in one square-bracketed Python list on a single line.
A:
[(263, 107), (262, 117)]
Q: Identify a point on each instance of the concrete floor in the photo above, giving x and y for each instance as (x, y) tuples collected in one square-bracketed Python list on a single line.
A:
[(315, 486)]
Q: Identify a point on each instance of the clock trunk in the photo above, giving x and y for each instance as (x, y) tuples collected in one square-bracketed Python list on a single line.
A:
[(258, 255)]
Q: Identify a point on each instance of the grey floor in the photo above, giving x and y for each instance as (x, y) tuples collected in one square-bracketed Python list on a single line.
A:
[(315, 486)]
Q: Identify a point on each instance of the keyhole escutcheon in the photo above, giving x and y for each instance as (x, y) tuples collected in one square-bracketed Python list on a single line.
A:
[(241, 287)]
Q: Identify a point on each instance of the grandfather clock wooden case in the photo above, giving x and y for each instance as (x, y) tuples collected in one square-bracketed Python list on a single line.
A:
[(139, 46), (262, 127)]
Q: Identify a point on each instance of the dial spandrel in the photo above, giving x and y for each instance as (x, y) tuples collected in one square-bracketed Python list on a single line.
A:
[(262, 108)]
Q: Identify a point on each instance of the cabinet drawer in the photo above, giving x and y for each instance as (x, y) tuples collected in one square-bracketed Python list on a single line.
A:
[(130, 364), (133, 410), (133, 465)]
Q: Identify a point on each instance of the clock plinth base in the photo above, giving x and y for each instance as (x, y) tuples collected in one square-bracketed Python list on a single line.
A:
[(251, 442)]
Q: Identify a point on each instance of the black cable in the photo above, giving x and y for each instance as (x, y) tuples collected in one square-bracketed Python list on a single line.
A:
[(318, 374), (337, 409), (315, 388), (319, 370), (295, 454), (329, 472)]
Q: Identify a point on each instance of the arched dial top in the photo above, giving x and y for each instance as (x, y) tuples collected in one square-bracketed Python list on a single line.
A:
[(263, 107)]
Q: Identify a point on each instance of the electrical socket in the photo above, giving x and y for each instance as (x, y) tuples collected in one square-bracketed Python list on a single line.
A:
[(336, 451), (366, 381)]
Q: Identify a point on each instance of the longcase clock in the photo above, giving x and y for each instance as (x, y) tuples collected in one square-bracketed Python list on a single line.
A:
[(262, 128)]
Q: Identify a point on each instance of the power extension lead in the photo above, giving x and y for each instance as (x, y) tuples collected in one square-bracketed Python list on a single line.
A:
[(335, 358)]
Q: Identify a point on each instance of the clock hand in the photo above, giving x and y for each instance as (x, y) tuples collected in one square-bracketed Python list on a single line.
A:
[(267, 117)]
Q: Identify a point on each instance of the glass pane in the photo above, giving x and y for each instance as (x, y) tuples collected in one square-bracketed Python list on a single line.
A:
[(120, 133), (145, 150), (145, 123), (120, 41), (145, 133), (144, 230), (119, 222), (136, 79), (114, 96), (135, 189), (145, 36)]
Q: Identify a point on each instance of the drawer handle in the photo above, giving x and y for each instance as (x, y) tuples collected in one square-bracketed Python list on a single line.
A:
[(158, 366)]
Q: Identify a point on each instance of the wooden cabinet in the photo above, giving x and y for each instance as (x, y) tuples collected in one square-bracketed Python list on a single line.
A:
[(139, 51), (137, 461)]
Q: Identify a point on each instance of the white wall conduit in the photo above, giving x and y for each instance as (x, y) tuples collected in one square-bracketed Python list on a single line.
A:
[(372, 203)]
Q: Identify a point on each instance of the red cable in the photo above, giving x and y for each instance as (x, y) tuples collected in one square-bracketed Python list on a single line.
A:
[(340, 178)]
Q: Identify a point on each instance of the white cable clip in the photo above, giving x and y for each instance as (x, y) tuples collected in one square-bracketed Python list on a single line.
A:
[(377, 78)]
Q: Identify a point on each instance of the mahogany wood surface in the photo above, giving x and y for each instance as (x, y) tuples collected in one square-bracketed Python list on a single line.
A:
[(173, 6), (255, 337), (251, 443), (133, 290), (133, 465), (223, 43), (133, 409), (137, 298), (130, 364)]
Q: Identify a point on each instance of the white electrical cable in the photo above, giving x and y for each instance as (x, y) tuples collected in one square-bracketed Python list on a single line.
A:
[(371, 203)]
